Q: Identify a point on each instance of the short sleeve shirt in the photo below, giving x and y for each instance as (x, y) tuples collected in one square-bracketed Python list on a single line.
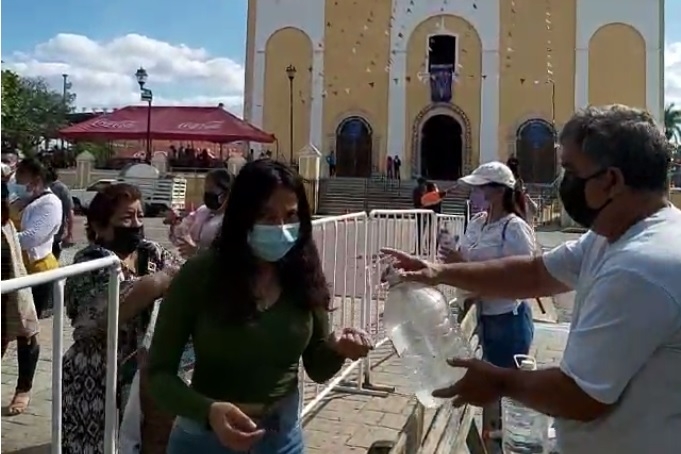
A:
[(624, 346), (508, 236)]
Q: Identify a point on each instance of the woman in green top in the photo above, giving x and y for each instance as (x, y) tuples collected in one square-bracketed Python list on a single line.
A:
[(254, 304)]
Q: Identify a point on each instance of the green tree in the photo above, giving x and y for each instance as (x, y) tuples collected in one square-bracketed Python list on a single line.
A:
[(31, 111), (672, 122)]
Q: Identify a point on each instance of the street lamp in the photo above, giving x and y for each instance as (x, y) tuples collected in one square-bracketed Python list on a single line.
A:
[(66, 86), (146, 95), (291, 73)]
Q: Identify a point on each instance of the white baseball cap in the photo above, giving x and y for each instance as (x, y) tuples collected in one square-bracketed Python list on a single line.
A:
[(490, 172)]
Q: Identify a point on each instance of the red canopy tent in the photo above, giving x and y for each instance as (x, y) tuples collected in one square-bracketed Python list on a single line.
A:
[(212, 124)]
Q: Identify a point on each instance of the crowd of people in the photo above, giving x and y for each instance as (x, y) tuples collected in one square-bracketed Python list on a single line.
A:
[(246, 273)]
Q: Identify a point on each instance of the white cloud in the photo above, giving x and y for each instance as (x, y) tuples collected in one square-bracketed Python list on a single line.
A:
[(672, 73), (102, 73)]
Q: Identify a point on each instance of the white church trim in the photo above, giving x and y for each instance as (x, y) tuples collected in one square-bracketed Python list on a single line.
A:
[(645, 16), (307, 16), (407, 16)]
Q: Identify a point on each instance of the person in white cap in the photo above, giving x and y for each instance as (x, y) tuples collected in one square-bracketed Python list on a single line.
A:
[(500, 231)]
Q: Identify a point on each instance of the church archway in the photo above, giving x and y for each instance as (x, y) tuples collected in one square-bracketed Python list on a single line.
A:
[(464, 161), (354, 138), (441, 148), (536, 152)]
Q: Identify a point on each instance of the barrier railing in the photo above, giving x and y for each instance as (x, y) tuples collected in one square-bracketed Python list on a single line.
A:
[(349, 248), (58, 277)]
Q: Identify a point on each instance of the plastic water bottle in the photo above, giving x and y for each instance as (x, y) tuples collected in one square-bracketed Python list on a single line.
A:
[(525, 430), (446, 242), (420, 325)]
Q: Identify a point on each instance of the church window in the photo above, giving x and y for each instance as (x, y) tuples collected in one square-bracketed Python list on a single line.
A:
[(441, 50)]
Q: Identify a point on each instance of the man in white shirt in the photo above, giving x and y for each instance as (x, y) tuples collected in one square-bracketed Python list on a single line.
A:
[(618, 387)]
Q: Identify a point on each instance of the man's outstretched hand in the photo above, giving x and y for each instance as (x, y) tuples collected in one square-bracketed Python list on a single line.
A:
[(481, 385), (412, 268)]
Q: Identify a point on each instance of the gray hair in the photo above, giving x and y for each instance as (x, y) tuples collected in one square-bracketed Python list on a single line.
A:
[(623, 137)]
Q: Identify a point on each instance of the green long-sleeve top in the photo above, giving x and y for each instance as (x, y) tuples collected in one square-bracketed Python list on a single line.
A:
[(250, 363)]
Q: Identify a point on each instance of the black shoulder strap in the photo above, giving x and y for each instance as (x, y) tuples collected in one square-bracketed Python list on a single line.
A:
[(504, 228)]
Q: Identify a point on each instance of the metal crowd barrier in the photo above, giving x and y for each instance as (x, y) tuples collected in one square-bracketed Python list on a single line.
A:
[(58, 277), (349, 248)]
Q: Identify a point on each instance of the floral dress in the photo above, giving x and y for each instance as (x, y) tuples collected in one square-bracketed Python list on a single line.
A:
[(84, 378)]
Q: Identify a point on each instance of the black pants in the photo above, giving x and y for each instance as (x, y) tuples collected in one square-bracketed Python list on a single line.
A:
[(42, 297), (332, 170), (28, 352), (56, 249)]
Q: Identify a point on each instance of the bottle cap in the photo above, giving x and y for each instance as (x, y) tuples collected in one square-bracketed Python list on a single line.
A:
[(528, 364), (390, 276)]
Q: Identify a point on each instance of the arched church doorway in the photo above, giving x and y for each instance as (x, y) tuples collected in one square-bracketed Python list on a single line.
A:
[(353, 148), (441, 148), (535, 150)]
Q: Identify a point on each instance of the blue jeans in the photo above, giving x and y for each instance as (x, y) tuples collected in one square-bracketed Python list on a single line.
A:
[(507, 335), (190, 437)]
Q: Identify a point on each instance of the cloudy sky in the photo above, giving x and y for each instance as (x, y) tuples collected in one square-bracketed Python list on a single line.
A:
[(193, 51)]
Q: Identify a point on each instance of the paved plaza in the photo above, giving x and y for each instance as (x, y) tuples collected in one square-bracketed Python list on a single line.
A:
[(342, 422)]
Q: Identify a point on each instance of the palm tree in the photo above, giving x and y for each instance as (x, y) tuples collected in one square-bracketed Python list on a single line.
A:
[(672, 122)]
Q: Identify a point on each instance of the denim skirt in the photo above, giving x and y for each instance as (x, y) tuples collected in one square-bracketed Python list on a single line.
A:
[(507, 335)]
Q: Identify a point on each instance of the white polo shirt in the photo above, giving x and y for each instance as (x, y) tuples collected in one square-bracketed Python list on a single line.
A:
[(624, 346)]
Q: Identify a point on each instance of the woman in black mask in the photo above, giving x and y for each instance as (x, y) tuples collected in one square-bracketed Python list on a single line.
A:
[(198, 230), (114, 227)]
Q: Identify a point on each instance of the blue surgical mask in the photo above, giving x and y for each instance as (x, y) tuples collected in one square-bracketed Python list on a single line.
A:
[(17, 191), (272, 242)]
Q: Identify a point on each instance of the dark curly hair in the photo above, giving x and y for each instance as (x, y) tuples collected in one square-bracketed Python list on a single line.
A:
[(105, 204), (300, 271)]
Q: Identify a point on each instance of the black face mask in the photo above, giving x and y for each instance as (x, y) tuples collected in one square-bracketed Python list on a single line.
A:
[(212, 200), (573, 197), (126, 240)]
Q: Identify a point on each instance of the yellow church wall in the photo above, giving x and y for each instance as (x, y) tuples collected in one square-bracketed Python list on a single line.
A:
[(467, 89), (250, 54), (533, 35), (288, 46), (617, 66), (356, 82)]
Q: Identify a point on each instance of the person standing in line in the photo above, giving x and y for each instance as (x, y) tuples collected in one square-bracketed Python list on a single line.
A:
[(397, 164), (618, 386), (40, 217), (331, 161), (65, 234), (19, 318), (260, 287), (198, 230), (114, 228)]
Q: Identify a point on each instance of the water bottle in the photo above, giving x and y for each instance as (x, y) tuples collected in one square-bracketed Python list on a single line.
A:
[(525, 430), (420, 325), (446, 242)]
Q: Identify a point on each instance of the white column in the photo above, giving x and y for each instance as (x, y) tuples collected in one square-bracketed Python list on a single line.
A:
[(489, 107), (258, 95), (317, 109), (397, 105), (653, 85), (581, 78)]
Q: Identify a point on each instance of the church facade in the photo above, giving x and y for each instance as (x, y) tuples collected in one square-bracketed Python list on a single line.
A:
[(444, 84)]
